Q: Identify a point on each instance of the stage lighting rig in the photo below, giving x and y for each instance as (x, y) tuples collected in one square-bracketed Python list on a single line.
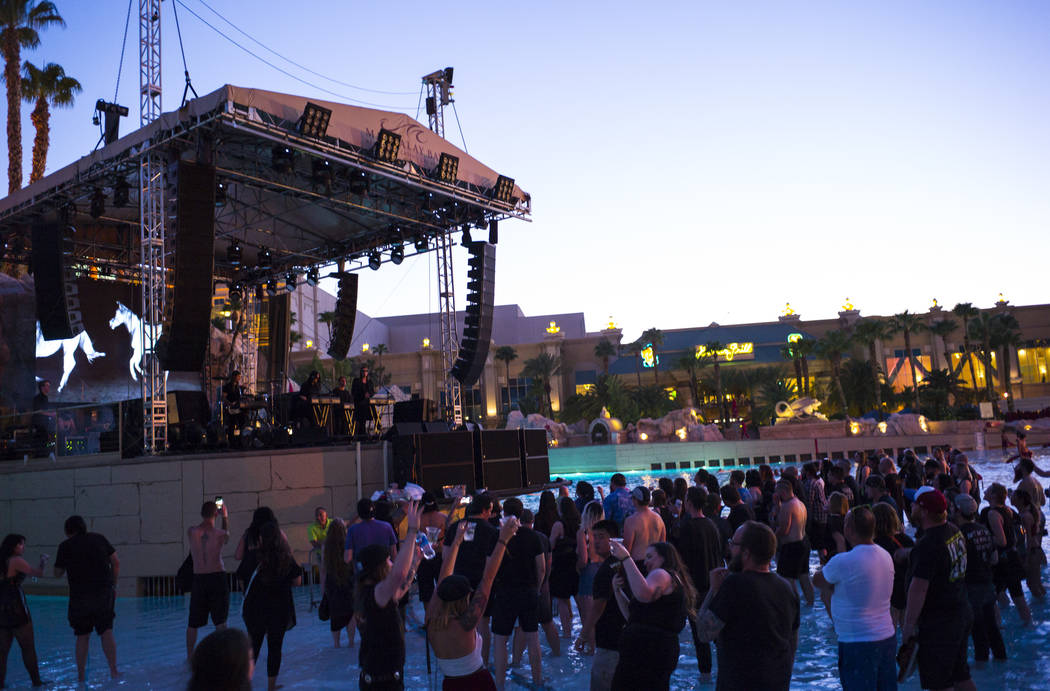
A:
[(314, 121), (112, 113), (313, 276), (504, 189), (448, 168), (375, 260), (220, 193), (322, 175), (290, 281), (98, 203), (359, 182), (233, 253), (282, 159), (271, 287), (387, 146), (121, 192), (236, 292), (422, 243), (264, 259), (397, 255)]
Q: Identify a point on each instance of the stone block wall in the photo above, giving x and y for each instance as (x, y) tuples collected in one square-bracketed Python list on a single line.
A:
[(145, 506)]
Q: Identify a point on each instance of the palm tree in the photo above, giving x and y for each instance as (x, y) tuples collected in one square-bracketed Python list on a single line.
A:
[(870, 332), (692, 367), (655, 338), (379, 349), (327, 318), (908, 323), (506, 354), (711, 350), (943, 328), (19, 22), (966, 312), (832, 347), (541, 369), (790, 352), (805, 348), (1006, 333), (45, 88), (634, 349), (603, 350), (981, 328)]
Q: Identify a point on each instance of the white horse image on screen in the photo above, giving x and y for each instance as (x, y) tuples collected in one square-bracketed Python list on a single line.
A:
[(69, 347), (134, 324)]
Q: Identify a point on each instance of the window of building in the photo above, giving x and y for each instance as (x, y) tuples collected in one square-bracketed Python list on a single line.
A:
[(515, 391), (1034, 363), (900, 371), (473, 402)]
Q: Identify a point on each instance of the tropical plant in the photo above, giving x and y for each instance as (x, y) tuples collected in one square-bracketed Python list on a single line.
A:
[(634, 351), (20, 22), (1006, 334), (980, 328), (45, 87), (788, 351), (869, 333), (541, 369), (907, 323), (942, 329), (654, 338), (935, 392), (860, 385), (806, 347), (328, 319), (506, 355), (711, 350), (832, 346), (966, 312), (380, 372), (769, 394), (603, 350), (692, 367)]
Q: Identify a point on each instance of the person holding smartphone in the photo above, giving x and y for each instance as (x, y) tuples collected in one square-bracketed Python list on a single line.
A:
[(478, 541), (210, 595)]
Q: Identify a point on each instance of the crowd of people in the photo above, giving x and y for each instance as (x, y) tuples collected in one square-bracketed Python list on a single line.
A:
[(624, 571)]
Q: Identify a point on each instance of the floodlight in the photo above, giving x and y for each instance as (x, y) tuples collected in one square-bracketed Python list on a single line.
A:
[(422, 244), (322, 174), (387, 145), (312, 276), (358, 182), (314, 121), (98, 203), (264, 259), (220, 193), (397, 255), (121, 192), (233, 253), (282, 158), (290, 281), (448, 168), (374, 260), (504, 189)]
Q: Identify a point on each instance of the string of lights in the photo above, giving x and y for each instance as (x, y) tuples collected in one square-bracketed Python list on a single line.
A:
[(282, 70)]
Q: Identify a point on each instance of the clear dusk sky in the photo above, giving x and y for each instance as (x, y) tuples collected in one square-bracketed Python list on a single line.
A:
[(689, 162)]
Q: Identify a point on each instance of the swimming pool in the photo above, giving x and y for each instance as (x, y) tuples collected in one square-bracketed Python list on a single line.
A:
[(151, 647)]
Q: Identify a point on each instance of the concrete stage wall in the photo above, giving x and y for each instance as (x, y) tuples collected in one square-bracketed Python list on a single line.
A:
[(145, 505)]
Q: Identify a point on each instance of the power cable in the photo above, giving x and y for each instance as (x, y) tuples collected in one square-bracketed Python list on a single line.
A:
[(185, 69), (123, 45), (419, 103), (281, 70), (456, 112)]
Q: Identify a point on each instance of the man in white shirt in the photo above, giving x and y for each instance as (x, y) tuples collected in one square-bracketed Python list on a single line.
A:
[(860, 583)]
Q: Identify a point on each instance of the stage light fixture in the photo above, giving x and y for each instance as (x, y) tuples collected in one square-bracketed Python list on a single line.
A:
[(121, 192), (314, 121), (387, 145), (422, 244), (290, 281), (271, 287), (504, 189), (220, 193), (233, 253), (98, 203), (322, 174), (236, 292), (264, 259), (112, 112), (448, 168), (466, 235), (375, 260), (358, 182), (282, 159), (313, 277), (397, 255), (493, 232)]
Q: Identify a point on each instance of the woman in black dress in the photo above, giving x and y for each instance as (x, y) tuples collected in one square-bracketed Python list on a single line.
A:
[(546, 514), (268, 609), (655, 614), (16, 624), (565, 579), (380, 584), (246, 553), (338, 584)]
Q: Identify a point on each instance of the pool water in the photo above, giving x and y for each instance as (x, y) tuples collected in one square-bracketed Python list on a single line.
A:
[(151, 642)]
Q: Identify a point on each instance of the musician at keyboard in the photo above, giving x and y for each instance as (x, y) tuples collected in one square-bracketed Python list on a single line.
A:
[(361, 391), (301, 403), (232, 395), (341, 392)]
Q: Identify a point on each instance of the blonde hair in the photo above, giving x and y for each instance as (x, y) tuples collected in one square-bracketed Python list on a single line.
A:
[(838, 503), (887, 522), (444, 613)]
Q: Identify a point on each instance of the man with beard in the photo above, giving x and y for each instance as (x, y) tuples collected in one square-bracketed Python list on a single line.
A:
[(772, 619)]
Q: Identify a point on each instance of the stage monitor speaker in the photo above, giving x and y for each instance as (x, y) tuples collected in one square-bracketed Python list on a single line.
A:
[(436, 426), (477, 321), (415, 410), (57, 296), (502, 459), (345, 316), (279, 321), (537, 461), (187, 338), (188, 406)]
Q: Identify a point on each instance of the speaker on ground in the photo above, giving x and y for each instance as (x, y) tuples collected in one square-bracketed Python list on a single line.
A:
[(477, 323), (502, 462), (57, 298), (345, 315), (537, 461)]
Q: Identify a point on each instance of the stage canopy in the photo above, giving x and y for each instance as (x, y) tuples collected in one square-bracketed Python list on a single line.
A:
[(373, 180)]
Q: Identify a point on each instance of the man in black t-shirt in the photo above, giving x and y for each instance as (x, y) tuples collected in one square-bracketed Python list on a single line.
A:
[(701, 547), (938, 610), (739, 512), (92, 568), (606, 621), (515, 596), (980, 588), (749, 609), (470, 560)]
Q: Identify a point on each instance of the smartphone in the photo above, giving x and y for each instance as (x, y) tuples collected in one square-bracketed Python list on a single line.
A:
[(468, 534), (218, 502), (465, 500)]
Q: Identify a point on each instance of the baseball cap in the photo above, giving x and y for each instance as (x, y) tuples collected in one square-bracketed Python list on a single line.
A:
[(932, 501), (966, 505), (453, 588)]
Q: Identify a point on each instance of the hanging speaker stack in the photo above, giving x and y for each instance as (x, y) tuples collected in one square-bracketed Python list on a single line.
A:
[(477, 324), (345, 315), (57, 296)]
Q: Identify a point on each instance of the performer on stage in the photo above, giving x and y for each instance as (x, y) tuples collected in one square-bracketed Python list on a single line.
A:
[(361, 390), (301, 403), (341, 392), (232, 394)]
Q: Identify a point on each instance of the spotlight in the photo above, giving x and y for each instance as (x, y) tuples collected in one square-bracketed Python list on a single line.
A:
[(322, 174), (430, 202), (264, 259), (121, 192), (493, 232), (220, 193), (374, 260), (358, 182), (271, 287), (314, 122), (397, 255), (422, 244), (290, 281), (236, 292), (466, 235), (98, 203), (504, 189), (313, 277), (282, 158), (387, 146), (233, 253), (448, 168)]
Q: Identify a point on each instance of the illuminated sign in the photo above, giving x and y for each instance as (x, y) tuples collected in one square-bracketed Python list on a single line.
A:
[(732, 351), (649, 358), (794, 338)]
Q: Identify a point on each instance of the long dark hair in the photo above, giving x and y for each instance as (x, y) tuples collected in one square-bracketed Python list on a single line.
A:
[(674, 565), (7, 550), (547, 513), (275, 556), (261, 516), (570, 516), (221, 662), (335, 568)]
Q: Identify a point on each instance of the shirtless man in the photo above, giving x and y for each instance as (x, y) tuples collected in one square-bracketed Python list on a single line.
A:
[(211, 589), (793, 555), (643, 527)]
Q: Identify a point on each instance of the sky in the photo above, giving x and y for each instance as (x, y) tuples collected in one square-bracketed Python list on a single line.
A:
[(689, 162)]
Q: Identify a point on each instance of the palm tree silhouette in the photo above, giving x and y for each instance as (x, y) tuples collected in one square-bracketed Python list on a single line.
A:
[(45, 87)]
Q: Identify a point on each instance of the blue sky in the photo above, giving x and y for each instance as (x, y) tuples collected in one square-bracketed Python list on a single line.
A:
[(689, 162)]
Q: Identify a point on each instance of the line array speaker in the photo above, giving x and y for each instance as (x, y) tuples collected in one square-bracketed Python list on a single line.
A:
[(57, 295), (477, 323), (190, 330), (345, 315), (280, 326)]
